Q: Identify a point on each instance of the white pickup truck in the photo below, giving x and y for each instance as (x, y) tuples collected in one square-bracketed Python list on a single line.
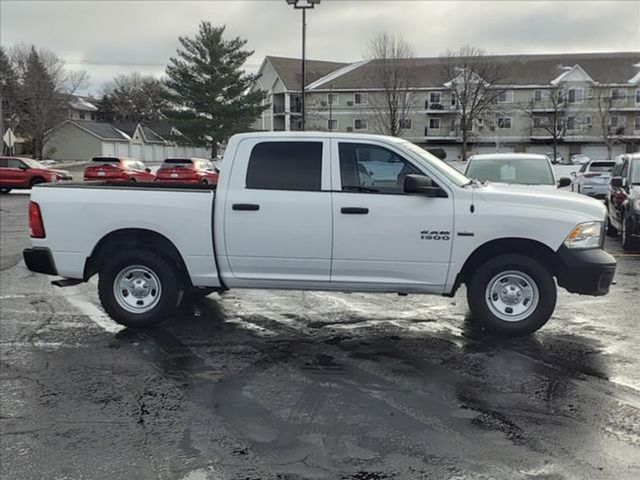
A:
[(323, 211)]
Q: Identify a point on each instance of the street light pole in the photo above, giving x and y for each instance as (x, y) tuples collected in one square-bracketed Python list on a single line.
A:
[(303, 5)]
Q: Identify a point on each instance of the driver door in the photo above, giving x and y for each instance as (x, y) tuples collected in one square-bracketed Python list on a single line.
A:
[(382, 236)]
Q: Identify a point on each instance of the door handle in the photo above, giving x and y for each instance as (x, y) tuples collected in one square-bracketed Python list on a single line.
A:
[(354, 210), (246, 207)]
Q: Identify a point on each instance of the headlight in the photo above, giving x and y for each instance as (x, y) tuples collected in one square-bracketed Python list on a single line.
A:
[(585, 235)]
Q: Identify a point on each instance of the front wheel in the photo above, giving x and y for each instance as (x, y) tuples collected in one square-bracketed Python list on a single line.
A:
[(138, 288), (628, 243), (512, 295)]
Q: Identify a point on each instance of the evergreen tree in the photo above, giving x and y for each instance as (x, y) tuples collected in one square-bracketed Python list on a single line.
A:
[(210, 94), (9, 99)]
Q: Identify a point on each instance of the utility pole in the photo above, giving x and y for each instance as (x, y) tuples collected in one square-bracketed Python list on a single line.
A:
[(303, 5), (330, 108)]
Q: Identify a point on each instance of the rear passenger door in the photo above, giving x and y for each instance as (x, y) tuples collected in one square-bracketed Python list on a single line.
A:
[(277, 218)]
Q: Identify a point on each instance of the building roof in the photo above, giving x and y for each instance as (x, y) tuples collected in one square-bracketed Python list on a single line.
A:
[(104, 131), (620, 67), (289, 70)]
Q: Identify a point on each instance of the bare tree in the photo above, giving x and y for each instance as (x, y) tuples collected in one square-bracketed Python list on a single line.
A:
[(134, 98), (551, 115), (43, 93), (392, 70), (610, 133), (474, 80)]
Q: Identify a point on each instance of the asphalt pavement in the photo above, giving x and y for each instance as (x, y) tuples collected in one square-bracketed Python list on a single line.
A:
[(305, 385)]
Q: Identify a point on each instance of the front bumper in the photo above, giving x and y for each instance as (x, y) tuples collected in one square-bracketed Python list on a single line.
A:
[(588, 272), (39, 260)]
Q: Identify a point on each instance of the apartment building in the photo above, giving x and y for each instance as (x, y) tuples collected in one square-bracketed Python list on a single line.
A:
[(602, 99)]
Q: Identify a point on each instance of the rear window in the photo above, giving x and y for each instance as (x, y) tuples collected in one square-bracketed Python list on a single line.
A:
[(105, 160), (601, 166), (177, 163), (529, 171), (285, 166)]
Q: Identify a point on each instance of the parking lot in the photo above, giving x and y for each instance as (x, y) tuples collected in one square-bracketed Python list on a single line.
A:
[(288, 385)]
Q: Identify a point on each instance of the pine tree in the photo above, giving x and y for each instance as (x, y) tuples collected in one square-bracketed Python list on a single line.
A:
[(9, 100), (210, 93)]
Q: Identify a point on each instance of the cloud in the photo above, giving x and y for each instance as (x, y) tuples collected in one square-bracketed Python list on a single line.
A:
[(107, 38)]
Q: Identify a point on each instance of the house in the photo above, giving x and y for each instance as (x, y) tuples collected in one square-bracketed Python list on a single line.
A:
[(83, 139), (340, 96)]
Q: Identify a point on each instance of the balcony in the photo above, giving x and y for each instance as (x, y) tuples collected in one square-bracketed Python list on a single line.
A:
[(439, 108)]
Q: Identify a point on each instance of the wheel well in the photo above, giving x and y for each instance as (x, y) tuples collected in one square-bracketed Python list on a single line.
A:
[(32, 180), (530, 248), (134, 238)]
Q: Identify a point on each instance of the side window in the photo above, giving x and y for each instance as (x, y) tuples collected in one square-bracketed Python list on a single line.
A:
[(369, 168), (4, 162), (285, 166), (13, 163), (583, 168), (625, 169)]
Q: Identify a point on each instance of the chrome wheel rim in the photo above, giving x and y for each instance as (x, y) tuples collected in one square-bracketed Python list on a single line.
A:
[(137, 289), (512, 296)]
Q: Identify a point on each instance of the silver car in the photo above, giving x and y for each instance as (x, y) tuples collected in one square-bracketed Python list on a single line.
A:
[(593, 178)]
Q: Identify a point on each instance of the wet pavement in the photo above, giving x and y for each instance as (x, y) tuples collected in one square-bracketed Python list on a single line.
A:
[(304, 385)]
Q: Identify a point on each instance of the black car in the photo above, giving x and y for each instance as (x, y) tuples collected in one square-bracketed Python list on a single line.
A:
[(623, 201)]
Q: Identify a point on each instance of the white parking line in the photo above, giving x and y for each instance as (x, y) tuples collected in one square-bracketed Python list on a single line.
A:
[(93, 312)]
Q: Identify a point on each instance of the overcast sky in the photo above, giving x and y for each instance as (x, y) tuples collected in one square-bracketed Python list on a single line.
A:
[(106, 38)]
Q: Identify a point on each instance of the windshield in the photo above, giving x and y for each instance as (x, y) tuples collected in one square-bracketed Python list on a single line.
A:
[(177, 163), (32, 163), (522, 171), (434, 162), (635, 171)]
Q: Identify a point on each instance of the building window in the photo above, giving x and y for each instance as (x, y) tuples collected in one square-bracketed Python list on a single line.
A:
[(539, 95), (285, 166), (81, 115), (571, 123), (575, 95), (637, 123), (405, 124), (360, 124), (434, 97), (360, 98), (587, 122), (618, 94), (504, 122), (332, 99), (616, 121), (332, 124), (434, 124), (505, 96), (541, 121), (638, 96)]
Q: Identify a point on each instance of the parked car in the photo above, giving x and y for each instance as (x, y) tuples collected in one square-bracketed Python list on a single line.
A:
[(188, 170), (514, 168), (20, 173), (579, 159), (555, 159), (118, 169), (593, 178), (291, 212), (623, 201)]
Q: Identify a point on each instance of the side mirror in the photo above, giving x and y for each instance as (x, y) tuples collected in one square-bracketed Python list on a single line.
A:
[(617, 182), (564, 181), (148, 170), (419, 184), (573, 174)]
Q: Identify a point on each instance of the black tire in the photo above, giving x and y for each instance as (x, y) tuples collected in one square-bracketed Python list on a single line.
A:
[(4, 190), (478, 301), (35, 181), (611, 230), (204, 182), (132, 180), (170, 290), (628, 242)]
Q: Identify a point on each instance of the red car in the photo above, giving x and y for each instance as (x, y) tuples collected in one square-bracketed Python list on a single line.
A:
[(20, 172), (188, 170), (118, 169)]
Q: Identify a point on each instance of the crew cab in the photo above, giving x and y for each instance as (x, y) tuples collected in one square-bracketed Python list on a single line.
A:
[(188, 170), (623, 201), (20, 173), (294, 211), (118, 169)]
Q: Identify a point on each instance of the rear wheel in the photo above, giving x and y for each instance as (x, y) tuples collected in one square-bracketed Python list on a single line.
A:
[(611, 230), (628, 242), (512, 295), (138, 288), (36, 181), (132, 180)]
